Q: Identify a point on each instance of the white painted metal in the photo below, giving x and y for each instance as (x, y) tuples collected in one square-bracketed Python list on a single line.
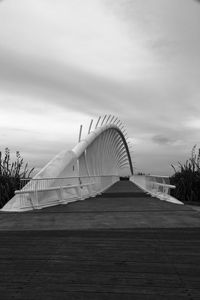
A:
[(94, 164), (90, 126), (156, 186), (80, 132), (98, 122)]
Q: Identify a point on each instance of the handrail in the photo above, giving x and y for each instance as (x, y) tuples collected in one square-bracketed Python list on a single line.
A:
[(156, 188), (157, 176), (68, 177), (163, 184), (53, 188), (60, 190)]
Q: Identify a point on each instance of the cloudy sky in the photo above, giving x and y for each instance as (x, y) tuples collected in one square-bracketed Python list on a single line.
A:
[(65, 62)]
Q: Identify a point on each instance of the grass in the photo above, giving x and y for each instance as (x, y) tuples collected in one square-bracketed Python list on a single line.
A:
[(10, 175), (187, 179)]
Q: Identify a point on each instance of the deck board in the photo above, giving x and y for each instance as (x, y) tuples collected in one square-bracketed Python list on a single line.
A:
[(95, 262)]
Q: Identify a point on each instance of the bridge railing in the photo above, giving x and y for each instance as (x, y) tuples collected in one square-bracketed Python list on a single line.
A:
[(43, 192), (159, 185), (156, 186)]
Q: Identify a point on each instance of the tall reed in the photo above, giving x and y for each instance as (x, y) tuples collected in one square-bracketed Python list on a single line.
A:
[(10, 175), (187, 178)]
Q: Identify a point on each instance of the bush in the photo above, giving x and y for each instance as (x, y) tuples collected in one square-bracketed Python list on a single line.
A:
[(10, 175), (187, 178)]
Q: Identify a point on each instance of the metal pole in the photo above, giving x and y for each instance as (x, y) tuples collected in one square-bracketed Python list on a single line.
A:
[(108, 119), (103, 120), (118, 122), (112, 119), (98, 122), (80, 132), (90, 126), (115, 120)]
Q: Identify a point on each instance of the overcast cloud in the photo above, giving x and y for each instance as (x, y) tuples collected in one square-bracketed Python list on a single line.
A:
[(64, 62)]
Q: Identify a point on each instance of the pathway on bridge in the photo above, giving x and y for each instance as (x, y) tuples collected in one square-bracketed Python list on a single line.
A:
[(120, 245), (124, 205)]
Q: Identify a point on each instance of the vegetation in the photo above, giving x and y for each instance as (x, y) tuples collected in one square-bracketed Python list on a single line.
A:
[(141, 173), (10, 175), (187, 178)]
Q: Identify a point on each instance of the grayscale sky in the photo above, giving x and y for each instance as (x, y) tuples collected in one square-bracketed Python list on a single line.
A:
[(64, 62)]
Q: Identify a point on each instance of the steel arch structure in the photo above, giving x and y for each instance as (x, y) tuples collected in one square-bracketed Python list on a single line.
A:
[(104, 152), (94, 164)]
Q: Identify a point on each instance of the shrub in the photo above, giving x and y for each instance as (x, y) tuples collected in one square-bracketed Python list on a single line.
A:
[(10, 175), (187, 178)]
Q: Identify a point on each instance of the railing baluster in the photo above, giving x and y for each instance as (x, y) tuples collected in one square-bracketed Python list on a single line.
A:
[(95, 184)]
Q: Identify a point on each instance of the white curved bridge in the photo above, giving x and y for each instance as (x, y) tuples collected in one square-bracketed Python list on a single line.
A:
[(93, 165)]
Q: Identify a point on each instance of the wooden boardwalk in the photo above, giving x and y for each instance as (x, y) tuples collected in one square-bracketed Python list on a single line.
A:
[(121, 245)]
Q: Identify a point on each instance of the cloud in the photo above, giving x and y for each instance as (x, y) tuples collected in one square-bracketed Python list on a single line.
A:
[(193, 124), (65, 62), (83, 34), (161, 140), (68, 86), (63, 85), (44, 87), (167, 141)]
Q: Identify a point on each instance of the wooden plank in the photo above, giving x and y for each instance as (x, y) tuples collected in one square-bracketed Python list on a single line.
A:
[(134, 263), (75, 265)]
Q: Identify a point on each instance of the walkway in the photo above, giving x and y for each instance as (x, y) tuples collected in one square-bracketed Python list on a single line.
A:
[(121, 245)]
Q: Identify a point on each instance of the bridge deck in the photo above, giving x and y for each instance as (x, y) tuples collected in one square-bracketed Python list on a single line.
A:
[(121, 245)]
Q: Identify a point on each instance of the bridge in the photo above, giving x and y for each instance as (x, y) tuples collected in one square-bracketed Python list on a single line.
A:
[(92, 166), (119, 236)]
